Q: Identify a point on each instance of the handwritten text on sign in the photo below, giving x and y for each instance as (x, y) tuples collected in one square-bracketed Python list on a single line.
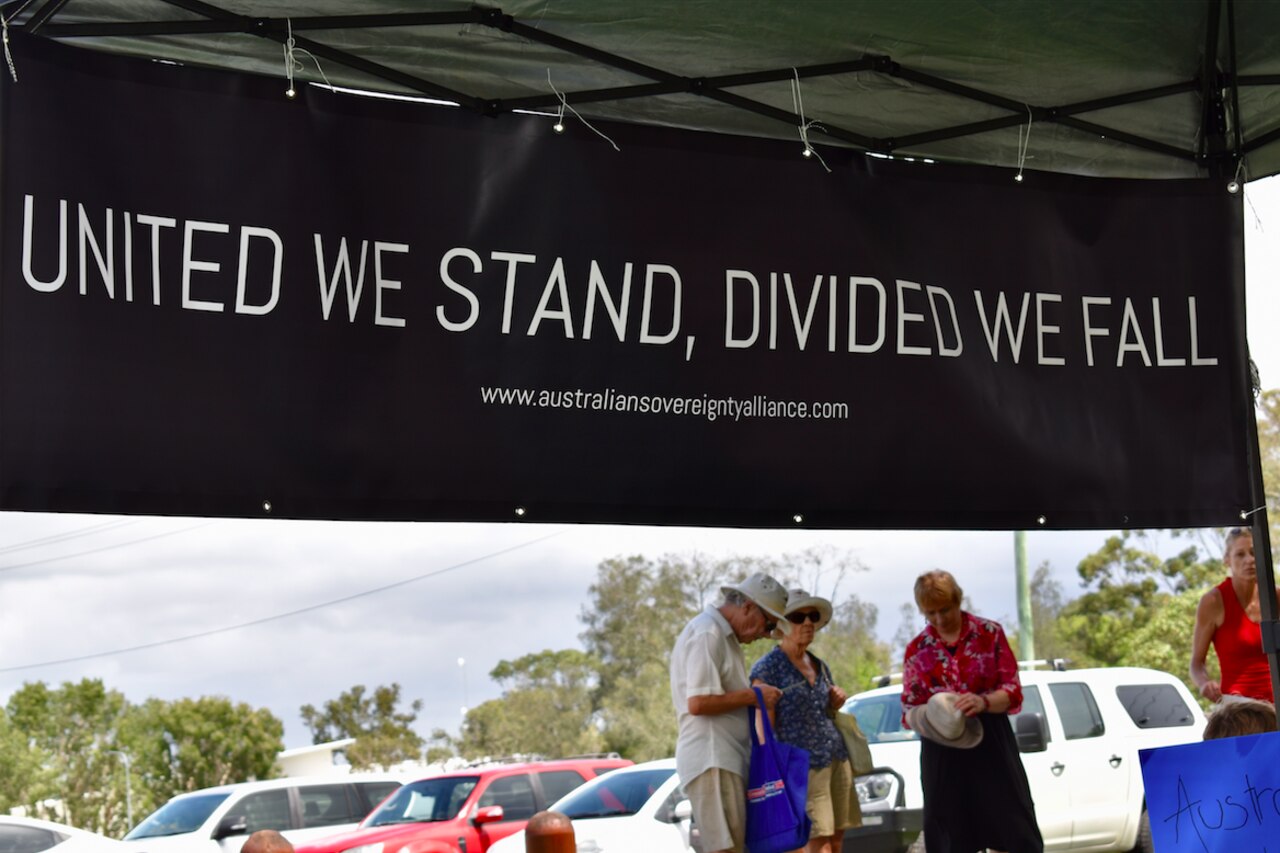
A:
[(1219, 795)]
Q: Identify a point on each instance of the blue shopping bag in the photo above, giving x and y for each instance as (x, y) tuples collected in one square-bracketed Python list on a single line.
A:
[(777, 787)]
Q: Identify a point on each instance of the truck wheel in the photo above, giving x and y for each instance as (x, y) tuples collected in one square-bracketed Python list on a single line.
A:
[(1144, 844)]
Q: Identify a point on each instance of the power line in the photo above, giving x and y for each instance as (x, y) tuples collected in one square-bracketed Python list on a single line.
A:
[(278, 616), (73, 534), (105, 548)]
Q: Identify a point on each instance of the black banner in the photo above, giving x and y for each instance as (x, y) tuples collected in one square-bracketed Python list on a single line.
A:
[(217, 299)]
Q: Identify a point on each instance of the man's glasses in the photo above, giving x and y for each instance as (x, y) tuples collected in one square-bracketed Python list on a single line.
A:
[(798, 618)]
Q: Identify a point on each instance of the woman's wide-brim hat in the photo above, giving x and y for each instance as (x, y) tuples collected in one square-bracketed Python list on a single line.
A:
[(941, 722), (766, 592), (799, 599)]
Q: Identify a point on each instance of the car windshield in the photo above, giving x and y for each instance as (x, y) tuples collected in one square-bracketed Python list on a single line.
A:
[(880, 718), (178, 816), (618, 793), (424, 801)]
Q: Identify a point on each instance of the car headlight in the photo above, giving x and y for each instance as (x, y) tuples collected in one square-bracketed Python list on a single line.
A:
[(365, 848), (877, 791)]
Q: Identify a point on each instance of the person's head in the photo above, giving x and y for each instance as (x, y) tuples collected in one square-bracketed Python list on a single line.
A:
[(1238, 554), (938, 597), (805, 614), (1241, 717), (266, 841), (753, 607)]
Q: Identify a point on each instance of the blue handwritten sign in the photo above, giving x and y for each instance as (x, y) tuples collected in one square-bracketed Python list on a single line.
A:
[(1219, 795)]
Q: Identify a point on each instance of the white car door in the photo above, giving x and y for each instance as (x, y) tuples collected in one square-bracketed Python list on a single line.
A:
[(1096, 772), (1045, 775)]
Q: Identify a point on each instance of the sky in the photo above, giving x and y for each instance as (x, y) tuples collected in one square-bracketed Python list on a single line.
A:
[(280, 613)]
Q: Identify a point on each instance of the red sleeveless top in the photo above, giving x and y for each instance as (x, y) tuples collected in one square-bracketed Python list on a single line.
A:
[(1238, 642)]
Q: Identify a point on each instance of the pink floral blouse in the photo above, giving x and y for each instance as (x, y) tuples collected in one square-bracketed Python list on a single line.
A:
[(982, 662)]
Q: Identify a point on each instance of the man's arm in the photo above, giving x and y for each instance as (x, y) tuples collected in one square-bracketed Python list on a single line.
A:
[(723, 703)]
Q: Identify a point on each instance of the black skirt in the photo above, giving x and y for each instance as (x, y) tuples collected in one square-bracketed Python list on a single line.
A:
[(978, 798)]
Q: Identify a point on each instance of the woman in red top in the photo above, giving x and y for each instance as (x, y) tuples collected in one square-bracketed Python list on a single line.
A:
[(975, 798), (1228, 616)]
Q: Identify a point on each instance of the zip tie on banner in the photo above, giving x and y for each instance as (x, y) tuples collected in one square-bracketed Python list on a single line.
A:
[(558, 127), (1024, 141), (293, 65), (798, 103), (1244, 514), (8, 57)]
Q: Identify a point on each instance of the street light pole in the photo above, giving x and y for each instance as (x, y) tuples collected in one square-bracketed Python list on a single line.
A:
[(466, 703), (128, 785)]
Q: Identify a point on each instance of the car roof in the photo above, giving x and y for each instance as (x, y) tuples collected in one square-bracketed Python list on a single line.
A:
[(497, 769), (1099, 676), (292, 781)]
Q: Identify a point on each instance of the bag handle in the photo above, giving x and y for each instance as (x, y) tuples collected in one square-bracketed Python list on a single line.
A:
[(758, 709)]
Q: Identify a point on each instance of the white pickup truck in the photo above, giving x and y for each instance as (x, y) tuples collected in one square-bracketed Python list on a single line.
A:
[(1079, 733)]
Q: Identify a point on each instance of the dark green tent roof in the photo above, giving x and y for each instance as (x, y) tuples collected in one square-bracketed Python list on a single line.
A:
[(1145, 88)]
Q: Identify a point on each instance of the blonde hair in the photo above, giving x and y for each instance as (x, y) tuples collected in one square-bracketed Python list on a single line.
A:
[(937, 587), (1232, 535)]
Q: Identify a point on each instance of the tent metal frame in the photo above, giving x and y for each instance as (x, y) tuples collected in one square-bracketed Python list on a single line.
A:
[(1216, 154)]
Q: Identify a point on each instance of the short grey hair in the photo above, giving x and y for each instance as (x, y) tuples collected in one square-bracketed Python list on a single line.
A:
[(733, 597)]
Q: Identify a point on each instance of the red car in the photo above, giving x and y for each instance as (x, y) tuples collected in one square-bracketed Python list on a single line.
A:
[(464, 811)]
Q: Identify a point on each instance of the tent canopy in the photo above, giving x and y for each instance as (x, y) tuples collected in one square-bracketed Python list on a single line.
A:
[(1145, 88)]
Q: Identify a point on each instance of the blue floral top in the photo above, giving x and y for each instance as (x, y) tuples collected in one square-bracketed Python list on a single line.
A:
[(801, 715)]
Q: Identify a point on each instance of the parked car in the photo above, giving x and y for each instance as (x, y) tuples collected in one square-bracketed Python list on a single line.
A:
[(1079, 733), (218, 820), (29, 835), (638, 809), (465, 810)]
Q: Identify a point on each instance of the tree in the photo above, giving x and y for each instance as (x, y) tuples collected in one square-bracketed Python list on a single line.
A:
[(637, 609), (72, 730), (849, 646), (1128, 582), (188, 744), (546, 708), (384, 736), (1269, 455)]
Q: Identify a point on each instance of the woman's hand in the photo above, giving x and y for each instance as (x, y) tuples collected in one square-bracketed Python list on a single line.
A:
[(970, 704), (1211, 690), (837, 698)]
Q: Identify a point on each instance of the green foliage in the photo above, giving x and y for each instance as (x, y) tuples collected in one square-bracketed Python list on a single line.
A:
[(616, 695), (68, 745), (384, 736), (188, 744), (636, 610), (72, 729), (1164, 642), (1127, 582), (1269, 454)]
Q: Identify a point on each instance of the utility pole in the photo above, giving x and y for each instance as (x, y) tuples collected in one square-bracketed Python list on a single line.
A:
[(1026, 628)]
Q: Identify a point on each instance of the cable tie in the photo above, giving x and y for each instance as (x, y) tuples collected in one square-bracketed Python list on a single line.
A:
[(798, 103), (564, 105), (293, 65), (1024, 142)]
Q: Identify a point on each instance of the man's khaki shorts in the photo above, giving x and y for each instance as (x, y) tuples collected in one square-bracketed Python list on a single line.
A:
[(719, 800), (833, 801)]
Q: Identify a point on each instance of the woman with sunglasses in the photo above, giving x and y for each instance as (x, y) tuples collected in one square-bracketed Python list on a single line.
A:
[(1229, 617), (803, 718)]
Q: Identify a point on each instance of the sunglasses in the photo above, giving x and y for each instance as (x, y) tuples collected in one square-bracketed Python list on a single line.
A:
[(798, 618)]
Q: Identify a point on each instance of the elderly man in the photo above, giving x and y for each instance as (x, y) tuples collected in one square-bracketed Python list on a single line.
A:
[(711, 693), (266, 841)]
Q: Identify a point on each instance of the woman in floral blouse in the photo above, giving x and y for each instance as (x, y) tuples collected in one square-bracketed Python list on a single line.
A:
[(974, 798), (803, 718)]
